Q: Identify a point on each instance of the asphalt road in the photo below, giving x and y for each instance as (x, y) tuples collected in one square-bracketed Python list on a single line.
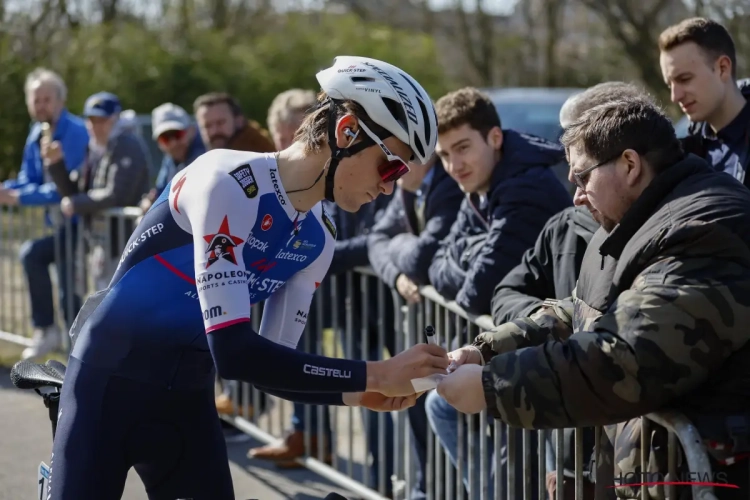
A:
[(25, 440)]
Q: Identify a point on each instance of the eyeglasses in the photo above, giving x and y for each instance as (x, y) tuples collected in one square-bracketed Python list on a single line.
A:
[(394, 167), (171, 135), (582, 176)]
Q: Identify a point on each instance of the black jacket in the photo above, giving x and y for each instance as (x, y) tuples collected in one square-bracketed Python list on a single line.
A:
[(549, 269), (486, 242), (396, 246)]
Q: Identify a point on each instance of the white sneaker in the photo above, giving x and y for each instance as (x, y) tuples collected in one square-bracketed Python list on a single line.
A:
[(45, 340)]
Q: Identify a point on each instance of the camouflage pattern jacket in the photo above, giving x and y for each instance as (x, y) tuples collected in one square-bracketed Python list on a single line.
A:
[(658, 320)]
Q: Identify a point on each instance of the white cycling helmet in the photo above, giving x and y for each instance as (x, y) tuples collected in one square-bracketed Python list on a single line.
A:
[(390, 97)]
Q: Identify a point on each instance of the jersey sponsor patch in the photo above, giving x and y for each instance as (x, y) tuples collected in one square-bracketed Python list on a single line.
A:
[(245, 178), (221, 244), (329, 224)]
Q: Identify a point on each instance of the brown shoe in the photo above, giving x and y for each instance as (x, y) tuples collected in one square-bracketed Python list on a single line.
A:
[(225, 406), (287, 451)]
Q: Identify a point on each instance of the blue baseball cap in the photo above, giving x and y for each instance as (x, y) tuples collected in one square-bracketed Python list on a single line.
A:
[(102, 104)]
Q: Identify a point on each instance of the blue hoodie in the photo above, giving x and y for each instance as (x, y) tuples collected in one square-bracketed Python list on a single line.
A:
[(488, 239)]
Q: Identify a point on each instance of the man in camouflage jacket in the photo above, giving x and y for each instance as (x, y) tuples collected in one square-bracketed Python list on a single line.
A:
[(660, 313)]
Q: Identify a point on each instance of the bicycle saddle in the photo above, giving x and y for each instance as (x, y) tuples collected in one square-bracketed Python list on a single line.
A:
[(56, 366), (28, 375)]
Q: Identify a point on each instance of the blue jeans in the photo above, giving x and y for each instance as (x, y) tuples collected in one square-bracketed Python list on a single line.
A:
[(444, 419), (36, 257), (444, 422)]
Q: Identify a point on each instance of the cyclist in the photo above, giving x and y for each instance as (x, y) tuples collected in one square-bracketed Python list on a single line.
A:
[(230, 230)]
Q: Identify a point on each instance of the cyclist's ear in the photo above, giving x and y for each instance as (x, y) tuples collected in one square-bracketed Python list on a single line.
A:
[(347, 127)]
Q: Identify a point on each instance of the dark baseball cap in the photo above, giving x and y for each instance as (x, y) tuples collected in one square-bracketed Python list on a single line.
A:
[(102, 104)]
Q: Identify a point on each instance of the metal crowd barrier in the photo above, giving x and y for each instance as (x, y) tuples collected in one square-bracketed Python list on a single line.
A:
[(353, 315)]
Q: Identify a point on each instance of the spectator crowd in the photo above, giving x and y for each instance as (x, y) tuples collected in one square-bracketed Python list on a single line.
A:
[(624, 299)]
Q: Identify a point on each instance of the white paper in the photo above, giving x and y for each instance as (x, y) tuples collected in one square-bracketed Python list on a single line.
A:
[(426, 383)]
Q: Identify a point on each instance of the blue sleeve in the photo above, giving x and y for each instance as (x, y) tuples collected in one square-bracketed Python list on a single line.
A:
[(241, 354), (27, 167), (445, 273), (76, 148), (378, 243), (516, 224), (412, 255), (38, 194)]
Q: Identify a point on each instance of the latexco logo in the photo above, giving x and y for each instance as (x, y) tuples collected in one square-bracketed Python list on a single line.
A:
[(648, 479), (282, 255), (276, 187)]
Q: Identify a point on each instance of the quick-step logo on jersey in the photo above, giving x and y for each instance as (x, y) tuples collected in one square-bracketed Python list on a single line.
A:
[(221, 244), (245, 178), (144, 236)]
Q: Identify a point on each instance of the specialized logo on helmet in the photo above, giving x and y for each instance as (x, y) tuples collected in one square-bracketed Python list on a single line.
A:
[(410, 112), (221, 244), (329, 224), (245, 178)]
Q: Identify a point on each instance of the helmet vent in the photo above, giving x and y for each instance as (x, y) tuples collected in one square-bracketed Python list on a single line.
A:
[(396, 110), (425, 121)]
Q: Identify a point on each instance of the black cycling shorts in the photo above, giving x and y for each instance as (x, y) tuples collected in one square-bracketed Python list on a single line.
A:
[(108, 424)]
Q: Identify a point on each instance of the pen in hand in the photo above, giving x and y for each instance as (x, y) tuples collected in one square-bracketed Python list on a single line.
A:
[(429, 333)]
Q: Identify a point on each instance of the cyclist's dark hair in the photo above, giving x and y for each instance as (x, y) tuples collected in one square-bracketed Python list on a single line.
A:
[(313, 131)]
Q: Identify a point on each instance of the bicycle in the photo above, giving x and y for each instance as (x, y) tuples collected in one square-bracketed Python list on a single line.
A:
[(26, 375), (46, 380)]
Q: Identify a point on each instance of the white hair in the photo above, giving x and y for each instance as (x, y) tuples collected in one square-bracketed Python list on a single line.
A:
[(600, 93), (44, 75), (288, 105)]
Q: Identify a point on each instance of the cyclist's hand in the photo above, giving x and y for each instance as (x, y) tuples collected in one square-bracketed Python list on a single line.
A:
[(379, 402), (467, 355), (393, 376)]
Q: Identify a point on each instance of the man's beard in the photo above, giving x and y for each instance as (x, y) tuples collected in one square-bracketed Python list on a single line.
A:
[(218, 141)]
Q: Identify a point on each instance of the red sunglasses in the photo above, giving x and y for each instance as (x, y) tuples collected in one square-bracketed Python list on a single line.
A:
[(394, 167), (171, 135)]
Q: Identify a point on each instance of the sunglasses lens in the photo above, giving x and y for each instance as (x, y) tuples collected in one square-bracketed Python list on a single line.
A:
[(171, 135), (393, 170)]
